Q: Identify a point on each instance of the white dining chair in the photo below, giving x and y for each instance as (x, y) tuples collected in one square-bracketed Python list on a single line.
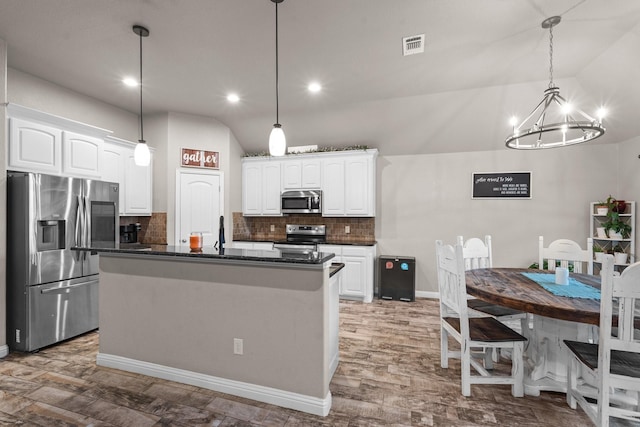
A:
[(615, 361), (478, 253), (478, 337), (565, 252)]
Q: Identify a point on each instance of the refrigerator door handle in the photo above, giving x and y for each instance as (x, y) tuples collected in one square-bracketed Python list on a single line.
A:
[(85, 227), (78, 229), (67, 288)]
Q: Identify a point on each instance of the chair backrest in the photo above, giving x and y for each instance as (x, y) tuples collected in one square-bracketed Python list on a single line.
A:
[(476, 253), (618, 295), (566, 252), (451, 284)]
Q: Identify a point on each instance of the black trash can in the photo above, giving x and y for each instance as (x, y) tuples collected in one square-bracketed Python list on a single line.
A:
[(397, 275)]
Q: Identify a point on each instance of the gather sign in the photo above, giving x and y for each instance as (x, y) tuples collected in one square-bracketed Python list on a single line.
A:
[(199, 158)]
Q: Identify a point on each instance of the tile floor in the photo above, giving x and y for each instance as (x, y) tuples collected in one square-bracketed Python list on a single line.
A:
[(389, 374)]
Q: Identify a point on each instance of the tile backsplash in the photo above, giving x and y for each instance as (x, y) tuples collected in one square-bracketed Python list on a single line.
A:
[(153, 229), (259, 228)]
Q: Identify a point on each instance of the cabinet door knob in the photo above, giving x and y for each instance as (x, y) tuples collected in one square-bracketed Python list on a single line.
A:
[(184, 240)]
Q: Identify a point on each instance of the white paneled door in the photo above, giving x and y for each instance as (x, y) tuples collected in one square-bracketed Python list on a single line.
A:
[(199, 204)]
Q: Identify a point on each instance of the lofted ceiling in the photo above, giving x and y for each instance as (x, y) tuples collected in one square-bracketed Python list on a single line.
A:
[(484, 61)]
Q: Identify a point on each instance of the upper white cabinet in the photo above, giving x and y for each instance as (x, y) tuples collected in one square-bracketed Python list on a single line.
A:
[(301, 174), (349, 184), (41, 142), (135, 181), (261, 186), (347, 180), (113, 168), (82, 155), (137, 191), (34, 147)]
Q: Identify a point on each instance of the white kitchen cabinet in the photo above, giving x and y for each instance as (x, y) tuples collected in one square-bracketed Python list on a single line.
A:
[(348, 184), (357, 275), (301, 174), (333, 187), (137, 186), (81, 155), (34, 147), (43, 143), (261, 187), (135, 181), (113, 169)]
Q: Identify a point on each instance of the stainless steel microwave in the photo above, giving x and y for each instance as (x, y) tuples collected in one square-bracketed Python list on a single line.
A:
[(301, 201)]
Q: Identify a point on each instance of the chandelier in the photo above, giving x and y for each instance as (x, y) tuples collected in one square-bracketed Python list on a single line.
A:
[(554, 122)]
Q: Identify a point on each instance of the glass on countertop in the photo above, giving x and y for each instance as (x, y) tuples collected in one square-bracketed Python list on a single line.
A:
[(195, 241)]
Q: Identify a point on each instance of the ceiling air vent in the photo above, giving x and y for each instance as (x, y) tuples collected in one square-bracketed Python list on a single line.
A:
[(412, 45)]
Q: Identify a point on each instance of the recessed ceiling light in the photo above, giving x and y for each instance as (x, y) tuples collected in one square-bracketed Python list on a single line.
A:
[(314, 87), (232, 97), (130, 81)]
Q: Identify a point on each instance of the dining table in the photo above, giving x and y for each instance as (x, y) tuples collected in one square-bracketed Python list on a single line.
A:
[(552, 318)]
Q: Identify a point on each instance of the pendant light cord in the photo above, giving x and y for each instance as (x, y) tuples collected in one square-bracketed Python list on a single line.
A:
[(277, 87), (551, 56), (141, 125)]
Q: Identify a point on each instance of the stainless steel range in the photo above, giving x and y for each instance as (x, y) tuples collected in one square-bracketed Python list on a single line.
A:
[(303, 237)]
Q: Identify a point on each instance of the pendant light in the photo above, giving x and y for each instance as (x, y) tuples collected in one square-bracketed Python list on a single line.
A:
[(553, 122), (277, 140), (141, 155)]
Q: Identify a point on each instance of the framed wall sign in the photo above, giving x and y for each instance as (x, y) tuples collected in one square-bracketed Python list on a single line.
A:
[(501, 185), (199, 158)]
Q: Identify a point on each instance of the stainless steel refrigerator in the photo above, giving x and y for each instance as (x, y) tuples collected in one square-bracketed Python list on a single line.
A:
[(52, 291)]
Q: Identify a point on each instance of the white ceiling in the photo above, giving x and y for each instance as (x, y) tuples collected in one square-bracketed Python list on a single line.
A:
[(484, 61)]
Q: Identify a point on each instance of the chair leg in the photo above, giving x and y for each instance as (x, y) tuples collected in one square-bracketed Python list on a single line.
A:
[(517, 370), (444, 348), (465, 367), (571, 382), (488, 356)]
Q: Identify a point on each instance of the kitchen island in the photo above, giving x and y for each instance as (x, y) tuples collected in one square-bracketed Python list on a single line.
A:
[(257, 324)]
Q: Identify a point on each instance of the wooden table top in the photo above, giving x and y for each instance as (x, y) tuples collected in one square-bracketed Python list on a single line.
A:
[(509, 288)]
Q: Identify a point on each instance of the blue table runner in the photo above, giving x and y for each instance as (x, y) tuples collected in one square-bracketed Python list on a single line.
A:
[(574, 289)]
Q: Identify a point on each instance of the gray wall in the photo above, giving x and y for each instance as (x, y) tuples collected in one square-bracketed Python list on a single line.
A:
[(33, 92), (428, 197)]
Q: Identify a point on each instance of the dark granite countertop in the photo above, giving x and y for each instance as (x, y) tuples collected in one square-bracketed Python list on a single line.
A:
[(335, 267), (273, 256), (355, 242)]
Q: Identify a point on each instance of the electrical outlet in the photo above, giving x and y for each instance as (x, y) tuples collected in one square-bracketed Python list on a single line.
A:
[(273, 228), (238, 346), (18, 335), (347, 229)]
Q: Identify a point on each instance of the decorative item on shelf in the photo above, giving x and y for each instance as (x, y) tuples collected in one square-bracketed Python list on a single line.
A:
[(616, 228), (602, 208), (553, 122), (598, 253), (602, 233), (620, 255)]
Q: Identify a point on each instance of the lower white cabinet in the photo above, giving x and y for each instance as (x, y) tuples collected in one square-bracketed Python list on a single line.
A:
[(356, 280)]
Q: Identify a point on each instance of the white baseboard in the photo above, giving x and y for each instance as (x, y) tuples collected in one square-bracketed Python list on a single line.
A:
[(4, 350), (427, 294), (287, 399)]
